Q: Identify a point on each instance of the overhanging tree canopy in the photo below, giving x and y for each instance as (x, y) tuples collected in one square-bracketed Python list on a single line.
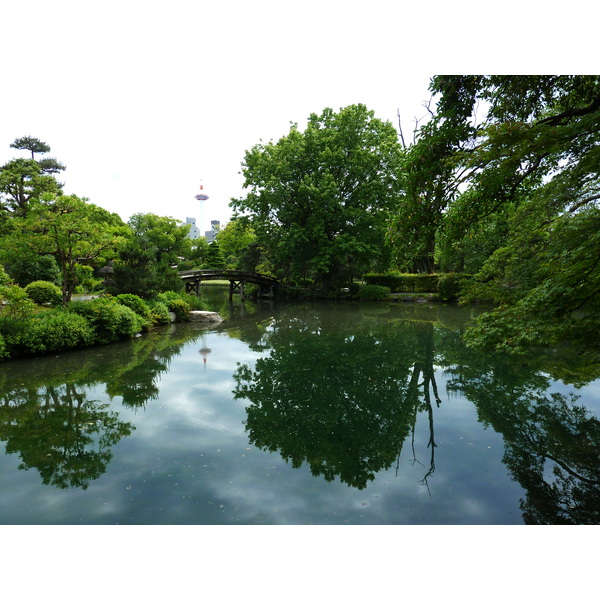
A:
[(534, 164)]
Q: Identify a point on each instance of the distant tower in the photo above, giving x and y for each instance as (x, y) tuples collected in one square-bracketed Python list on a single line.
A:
[(201, 197)]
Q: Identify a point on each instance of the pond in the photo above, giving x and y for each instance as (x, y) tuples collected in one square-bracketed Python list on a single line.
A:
[(301, 414)]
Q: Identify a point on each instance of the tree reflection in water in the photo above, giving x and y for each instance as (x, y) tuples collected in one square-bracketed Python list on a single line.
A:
[(344, 404), (57, 431), (52, 424), (552, 444)]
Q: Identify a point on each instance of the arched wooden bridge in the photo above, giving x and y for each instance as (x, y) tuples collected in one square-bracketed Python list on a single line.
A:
[(236, 279)]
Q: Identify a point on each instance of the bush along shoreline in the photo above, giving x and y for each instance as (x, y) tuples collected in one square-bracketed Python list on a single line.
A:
[(32, 322)]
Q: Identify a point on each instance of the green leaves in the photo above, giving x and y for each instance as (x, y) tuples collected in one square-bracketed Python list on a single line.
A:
[(317, 199), (152, 246)]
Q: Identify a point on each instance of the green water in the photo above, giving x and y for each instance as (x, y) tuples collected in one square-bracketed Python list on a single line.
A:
[(301, 414)]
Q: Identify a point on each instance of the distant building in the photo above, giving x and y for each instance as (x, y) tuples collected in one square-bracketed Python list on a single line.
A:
[(215, 227), (194, 232)]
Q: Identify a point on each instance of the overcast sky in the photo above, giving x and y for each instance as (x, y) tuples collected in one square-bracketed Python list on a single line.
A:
[(145, 101)]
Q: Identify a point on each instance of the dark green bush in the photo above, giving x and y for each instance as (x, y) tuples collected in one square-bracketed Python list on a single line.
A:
[(25, 268), (451, 285), (16, 310), (54, 331), (109, 319), (195, 302), (44, 292), (354, 289), (181, 309), (167, 296), (374, 292), (4, 278)]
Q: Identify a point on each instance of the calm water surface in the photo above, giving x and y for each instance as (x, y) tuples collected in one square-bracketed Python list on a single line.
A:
[(305, 414)]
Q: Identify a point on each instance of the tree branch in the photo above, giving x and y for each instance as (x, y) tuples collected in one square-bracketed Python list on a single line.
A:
[(573, 112)]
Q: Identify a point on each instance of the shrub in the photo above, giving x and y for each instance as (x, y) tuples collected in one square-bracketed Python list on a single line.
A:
[(44, 292), (374, 292), (195, 302), (135, 303), (181, 309), (354, 290), (167, 296), (176, 304), (25, 268), (109, 319), (159, 313), (54, 331), (4, 278), (450, 286), (17, 310)]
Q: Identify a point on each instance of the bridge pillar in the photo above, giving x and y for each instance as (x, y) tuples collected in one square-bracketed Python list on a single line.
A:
[(237, 285), (193, 287)]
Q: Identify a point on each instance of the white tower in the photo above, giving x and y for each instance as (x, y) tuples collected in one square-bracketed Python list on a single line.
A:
[(202, 197)]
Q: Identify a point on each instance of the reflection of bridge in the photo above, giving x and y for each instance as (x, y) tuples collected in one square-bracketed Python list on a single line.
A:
[(237, 279)]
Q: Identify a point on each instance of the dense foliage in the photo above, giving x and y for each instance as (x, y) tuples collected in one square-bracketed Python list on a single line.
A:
[(318, 199), (144, 265), (532, 188)]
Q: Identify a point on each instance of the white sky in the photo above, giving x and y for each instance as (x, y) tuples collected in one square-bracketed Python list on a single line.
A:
[(144, 101)]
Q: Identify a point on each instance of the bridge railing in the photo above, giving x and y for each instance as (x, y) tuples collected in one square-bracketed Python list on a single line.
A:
[(229, 274)]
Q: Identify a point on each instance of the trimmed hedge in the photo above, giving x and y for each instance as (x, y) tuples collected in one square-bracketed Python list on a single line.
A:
[(374, 292), (404, 282), (135, 303), (159, 313)]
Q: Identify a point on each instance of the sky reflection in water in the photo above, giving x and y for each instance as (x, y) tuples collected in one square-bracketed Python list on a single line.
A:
[(354, 397)]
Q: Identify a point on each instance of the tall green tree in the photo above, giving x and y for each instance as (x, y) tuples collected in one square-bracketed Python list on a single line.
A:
[(24, 180), (214, 256), (146, 260), (431, 181), (318, 199)]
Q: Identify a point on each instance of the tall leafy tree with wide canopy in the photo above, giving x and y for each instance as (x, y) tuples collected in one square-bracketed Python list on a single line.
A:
[(318, 199)]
